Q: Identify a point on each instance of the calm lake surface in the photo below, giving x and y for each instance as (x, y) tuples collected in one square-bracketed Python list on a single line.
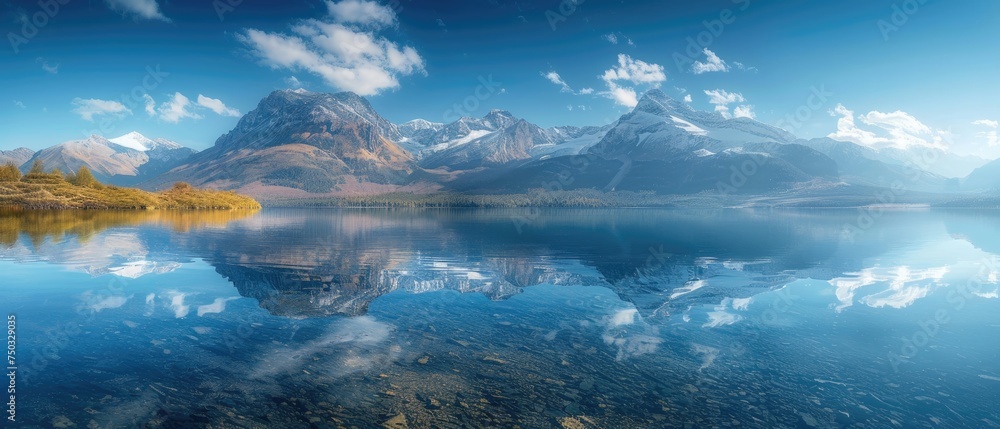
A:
[(516, 318)]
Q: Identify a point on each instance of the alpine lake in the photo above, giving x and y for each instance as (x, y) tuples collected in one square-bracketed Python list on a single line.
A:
[(520, 318)]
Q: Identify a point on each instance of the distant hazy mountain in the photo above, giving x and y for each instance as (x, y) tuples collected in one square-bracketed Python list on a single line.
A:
[(124, 160), (298, 142), (17, 156), (942, 163), (861, 165), (985, 178)]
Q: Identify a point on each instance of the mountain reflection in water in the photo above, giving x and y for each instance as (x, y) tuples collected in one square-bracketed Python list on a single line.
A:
[(571, 318)]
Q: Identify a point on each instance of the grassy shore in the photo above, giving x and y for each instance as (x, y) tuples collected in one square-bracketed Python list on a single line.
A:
[(53, 190)]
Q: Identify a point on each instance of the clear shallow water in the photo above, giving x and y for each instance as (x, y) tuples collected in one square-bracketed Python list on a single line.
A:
[(530, 318)]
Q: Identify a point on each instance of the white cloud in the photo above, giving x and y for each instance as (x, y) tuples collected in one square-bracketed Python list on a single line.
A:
[(586, 91), (614, 38), (96, 302), (150, 104), (145, 9), (635, 71), (713, 64), (623, 96), (722, 99), (217, 106), (361, 12), (556, 79), (177, 108), (895, 120), (720, 318), (990, 136), (89, 108), (745, 111), (348, 58), (623, 317), (894, 129), (688, 99), (49, 68), (847, 130), (744, 67), (294, 82), (217, 306), (19, 104)]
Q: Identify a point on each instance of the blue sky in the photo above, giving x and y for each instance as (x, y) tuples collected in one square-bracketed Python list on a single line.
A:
[(892, 73)]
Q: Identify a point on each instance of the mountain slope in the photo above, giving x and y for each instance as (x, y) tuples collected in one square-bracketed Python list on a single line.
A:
[(298, 142), (112, 162), (660, 125), (985, 178), (512, 141), (16, 156), (664, 146)]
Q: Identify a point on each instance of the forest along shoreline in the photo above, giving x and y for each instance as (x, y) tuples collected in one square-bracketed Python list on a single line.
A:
[(42, 190)]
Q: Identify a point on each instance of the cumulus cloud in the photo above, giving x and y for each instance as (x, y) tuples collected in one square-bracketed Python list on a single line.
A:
[(722, 99), (712, 64), (847, 129), (688, 99), (139, 9), (343, 50), (91, 107), (635, 72), (893, 129), (217, 106), (745, 111), (586, 91), (177, 108)]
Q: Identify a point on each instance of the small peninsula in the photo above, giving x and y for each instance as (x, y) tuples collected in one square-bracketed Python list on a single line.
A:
[(42, 190)]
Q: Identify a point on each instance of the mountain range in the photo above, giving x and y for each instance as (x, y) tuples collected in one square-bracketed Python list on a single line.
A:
[(126, 160), (301, 144)]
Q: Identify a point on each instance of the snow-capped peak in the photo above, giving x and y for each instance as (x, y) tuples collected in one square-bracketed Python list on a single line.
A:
[(421, 124), (134, 140), (139, 142)]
